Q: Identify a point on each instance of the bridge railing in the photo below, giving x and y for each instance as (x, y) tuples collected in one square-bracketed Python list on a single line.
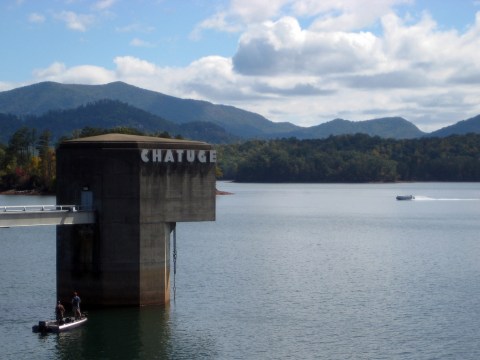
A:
[(34, 215), (36, 208)]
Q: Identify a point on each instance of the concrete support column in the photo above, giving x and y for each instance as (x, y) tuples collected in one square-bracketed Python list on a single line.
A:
[(155, 263), (139, 188)]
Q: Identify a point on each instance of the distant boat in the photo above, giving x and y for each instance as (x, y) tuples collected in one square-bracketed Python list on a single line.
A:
[(53, 326), (405, 197)]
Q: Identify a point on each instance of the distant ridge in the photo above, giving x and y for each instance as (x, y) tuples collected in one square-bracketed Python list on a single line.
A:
[(39, 98), (471, 125), (391, 127), (153, 111), (108, 114)]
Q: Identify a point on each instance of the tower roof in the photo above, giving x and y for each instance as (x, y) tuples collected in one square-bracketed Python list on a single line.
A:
[(132, 141)]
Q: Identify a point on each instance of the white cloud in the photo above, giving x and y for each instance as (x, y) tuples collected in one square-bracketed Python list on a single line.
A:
[(283, 47), (338, 15), (254, 11), (74, 21), (36, 18), (239, 13), (5, 86), (135, 27), (104, 4), (218, 22), (57, 68), (345, 15), (308, 75), (420, 70), (131, 66), (84, 74), (141, 43), (212, 78)]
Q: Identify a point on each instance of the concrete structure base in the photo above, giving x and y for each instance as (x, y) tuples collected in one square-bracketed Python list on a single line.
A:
[(139, 188)]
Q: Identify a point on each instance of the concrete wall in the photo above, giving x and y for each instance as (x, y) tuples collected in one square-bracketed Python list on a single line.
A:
[(124, 259)]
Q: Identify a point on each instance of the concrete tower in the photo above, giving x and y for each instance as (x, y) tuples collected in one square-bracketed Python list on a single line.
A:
[(139, 187)]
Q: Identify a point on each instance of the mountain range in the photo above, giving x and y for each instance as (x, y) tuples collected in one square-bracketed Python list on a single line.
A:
[(63, 108)]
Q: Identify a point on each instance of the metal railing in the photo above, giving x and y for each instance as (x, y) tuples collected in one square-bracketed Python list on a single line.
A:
[(37, 208), (34, 215)]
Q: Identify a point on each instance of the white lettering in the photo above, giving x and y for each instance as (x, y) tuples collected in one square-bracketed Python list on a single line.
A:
[(190, 155), (180, 155), (201, 156), (169, 156), (213, 156), (157, 155), (145, 156)]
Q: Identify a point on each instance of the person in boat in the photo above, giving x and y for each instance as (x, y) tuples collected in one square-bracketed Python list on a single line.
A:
[(59, 311), (76, 306)]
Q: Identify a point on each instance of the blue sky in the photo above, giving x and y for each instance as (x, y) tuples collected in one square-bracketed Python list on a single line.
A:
[(302, 61)]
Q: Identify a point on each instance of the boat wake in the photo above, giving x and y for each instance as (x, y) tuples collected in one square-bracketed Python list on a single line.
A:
[(427, 198)]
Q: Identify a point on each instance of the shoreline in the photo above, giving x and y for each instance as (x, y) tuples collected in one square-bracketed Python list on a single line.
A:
[(39, 193), (24, 192), (220, 192)]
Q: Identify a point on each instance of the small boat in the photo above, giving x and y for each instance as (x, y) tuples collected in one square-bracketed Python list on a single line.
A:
[(54, 326), (405, 197)]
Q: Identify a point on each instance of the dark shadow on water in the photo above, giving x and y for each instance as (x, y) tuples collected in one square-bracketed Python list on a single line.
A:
[(127, 333)]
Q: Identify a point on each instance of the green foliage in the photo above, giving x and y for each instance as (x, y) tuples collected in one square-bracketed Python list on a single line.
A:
[(65, 107), (113, 115), (46, 166), (8, 125), (21, 146), (103, 114), (352, 158), (28, 162), (40, 98)]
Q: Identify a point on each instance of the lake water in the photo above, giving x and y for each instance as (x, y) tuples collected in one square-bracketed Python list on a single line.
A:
[(317, 271)]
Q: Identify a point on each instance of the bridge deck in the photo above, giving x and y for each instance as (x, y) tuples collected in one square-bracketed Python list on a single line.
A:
[(34, 215)]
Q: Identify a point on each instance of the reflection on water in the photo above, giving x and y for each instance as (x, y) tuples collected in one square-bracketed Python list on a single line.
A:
[(132, 333), (286, 271)]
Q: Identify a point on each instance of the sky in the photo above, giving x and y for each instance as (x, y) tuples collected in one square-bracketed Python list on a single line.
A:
[(302, 61)]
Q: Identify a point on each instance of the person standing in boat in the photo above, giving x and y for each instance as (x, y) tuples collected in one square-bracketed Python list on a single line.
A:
[(59, 311), (76, 306)]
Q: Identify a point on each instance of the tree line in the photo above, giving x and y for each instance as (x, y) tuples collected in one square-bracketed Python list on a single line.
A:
[(352, 158), (27, 162)]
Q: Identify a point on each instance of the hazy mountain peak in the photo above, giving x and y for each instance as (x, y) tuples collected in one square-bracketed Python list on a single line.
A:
[(38, 99)]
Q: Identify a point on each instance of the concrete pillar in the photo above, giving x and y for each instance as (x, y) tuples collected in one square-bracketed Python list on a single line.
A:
[(140, 187)]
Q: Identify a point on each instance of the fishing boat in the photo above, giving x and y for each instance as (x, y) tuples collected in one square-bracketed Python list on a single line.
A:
[(54, 326), (405, 197)]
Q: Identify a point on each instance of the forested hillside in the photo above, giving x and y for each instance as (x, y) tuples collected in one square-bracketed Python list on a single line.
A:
[(353, 158), (28, 160), (37, 99), (393, 127), (108, 114), (60, 106), (463, 127)]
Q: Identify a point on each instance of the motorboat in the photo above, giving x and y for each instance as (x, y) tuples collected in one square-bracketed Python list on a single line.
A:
[(405, 197), (54, 326)]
